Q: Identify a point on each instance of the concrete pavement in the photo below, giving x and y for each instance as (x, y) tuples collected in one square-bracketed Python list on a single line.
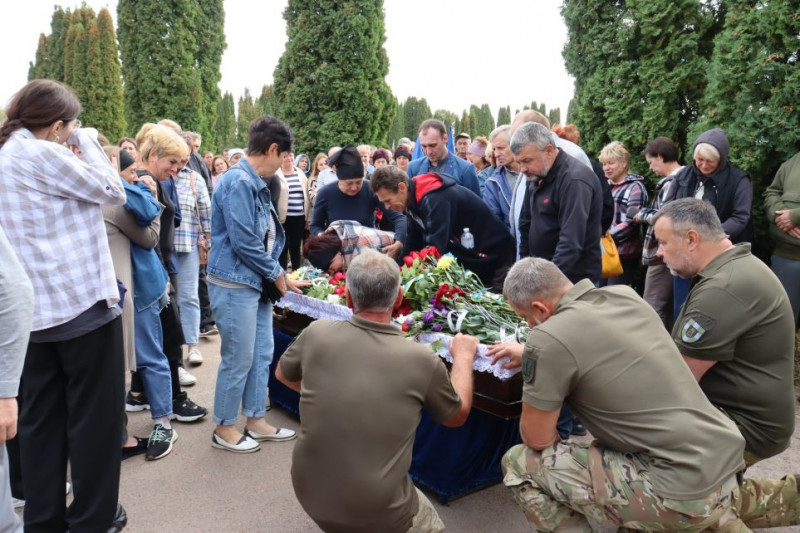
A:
[(200, 489)]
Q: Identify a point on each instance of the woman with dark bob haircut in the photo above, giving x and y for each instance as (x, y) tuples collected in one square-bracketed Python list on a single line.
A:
[(334, 249)]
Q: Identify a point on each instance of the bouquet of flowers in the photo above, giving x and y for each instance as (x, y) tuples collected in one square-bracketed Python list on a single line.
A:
[(441, 295), (330, 289)]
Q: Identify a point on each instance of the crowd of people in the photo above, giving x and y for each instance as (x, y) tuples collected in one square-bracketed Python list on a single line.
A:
[(118, 257)]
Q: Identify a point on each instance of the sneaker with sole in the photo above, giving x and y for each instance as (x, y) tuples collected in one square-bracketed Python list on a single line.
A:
[(185, 410), (160, 442), (208, 331), (185, 378), (134, 404), (280, 434), (195, 357), (245, 444)]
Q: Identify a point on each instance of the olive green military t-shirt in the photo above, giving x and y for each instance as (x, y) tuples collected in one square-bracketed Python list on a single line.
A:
[(737, 314), (363, 390), (606, 353)]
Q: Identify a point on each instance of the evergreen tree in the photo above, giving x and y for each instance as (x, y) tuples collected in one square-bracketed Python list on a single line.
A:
[(160, 56), (504, 116), (104, 89), (77, 48), (753, 93), (209, 32), (638, 69), (448, 117), (225, 131), (246, 111), (554, 116), (416, 111), (572, 107), (465, 124), (265, 103), (398, 127), (331, 80), (485, 123), (40, 66)]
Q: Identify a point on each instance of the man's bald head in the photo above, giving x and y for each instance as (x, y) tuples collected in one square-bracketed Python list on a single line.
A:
[(529, 115)]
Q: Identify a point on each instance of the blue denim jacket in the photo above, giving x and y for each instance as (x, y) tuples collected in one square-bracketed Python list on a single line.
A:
[(149, 275), (239, 210)]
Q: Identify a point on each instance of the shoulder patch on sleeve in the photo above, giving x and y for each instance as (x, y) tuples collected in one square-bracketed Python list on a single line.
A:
[(694, 327), (528, 369)]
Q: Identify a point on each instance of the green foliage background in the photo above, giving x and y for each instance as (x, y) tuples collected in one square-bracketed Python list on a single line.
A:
[(645, 68)]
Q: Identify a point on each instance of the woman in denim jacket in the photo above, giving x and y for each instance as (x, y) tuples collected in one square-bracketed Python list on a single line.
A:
[(246, 241)]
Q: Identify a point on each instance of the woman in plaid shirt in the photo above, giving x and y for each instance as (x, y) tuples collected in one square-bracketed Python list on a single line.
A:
[(342, 241)]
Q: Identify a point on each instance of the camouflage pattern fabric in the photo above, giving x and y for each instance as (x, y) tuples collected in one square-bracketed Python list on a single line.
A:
[(571, 485), (766, 503), (427, 519)]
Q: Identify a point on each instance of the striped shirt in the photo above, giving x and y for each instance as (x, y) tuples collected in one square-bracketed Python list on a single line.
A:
[(50, 210), (296, 204)]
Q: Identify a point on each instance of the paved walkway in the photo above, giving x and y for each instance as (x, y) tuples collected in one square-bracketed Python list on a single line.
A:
[(200, 489)]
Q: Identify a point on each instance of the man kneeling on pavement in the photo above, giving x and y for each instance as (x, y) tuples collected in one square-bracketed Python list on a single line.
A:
[(362, 390), (664, 459)]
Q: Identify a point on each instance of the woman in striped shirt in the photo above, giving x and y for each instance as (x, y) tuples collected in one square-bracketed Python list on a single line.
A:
[(298, 213)]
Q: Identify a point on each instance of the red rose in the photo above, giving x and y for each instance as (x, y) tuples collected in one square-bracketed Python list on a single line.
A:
[(333, 281), (408, 260)]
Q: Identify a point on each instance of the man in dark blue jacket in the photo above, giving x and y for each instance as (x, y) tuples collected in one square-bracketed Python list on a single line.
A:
[(560, 219), (433, 139), (438, 211)]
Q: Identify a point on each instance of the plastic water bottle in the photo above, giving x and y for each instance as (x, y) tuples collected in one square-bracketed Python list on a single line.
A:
[(467, 239)]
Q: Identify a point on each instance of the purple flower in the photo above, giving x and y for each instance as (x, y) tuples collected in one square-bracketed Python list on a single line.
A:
[(428, 317), (409, 322), (436, 327), (432, 300)]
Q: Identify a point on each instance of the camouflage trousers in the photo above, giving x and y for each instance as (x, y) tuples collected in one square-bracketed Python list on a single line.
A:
[(571, 486), (427, 519)]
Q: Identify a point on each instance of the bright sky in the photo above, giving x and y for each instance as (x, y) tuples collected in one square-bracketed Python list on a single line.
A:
[(451, 52)]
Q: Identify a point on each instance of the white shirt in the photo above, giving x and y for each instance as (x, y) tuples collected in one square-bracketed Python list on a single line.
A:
[(50, 210), (325, 177)]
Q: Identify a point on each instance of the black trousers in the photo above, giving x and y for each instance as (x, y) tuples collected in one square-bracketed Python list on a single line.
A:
[(295, 228), (206, 315), (73, 403)]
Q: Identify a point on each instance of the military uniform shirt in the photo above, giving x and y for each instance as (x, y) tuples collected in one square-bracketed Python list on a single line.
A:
[(363, 390), (737, 314), (606, 352)]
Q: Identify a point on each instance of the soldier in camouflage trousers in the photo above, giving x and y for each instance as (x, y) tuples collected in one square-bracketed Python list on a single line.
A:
[(665, 459), (578, 487)]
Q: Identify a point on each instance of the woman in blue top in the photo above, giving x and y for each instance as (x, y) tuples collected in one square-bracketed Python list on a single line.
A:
[(246, 241)]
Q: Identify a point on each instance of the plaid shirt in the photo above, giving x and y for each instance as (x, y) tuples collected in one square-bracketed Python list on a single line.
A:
[(50, 210), (664, 191), (186, 234), (356, 238)]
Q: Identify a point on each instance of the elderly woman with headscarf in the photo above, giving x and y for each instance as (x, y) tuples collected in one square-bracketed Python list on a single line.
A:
[(352, 199), (727, 187), (476, 154)]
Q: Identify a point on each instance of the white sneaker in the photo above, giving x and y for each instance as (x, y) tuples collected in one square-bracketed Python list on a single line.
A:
[(186, 379), (195, 357)]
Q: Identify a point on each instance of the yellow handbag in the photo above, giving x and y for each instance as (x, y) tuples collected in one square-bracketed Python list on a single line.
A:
[(612, 264)]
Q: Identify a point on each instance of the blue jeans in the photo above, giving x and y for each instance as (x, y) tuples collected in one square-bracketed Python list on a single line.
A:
[(151, 363), (188, 297), (245, 327), (788, 272)]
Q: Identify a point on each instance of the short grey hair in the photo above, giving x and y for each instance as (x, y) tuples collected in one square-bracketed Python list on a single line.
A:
[(531, 133), (504, 129), (693, 213), (533, 278), (373, 280)]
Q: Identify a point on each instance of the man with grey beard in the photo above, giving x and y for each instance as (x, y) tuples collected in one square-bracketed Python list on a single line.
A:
[(560, 218)]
